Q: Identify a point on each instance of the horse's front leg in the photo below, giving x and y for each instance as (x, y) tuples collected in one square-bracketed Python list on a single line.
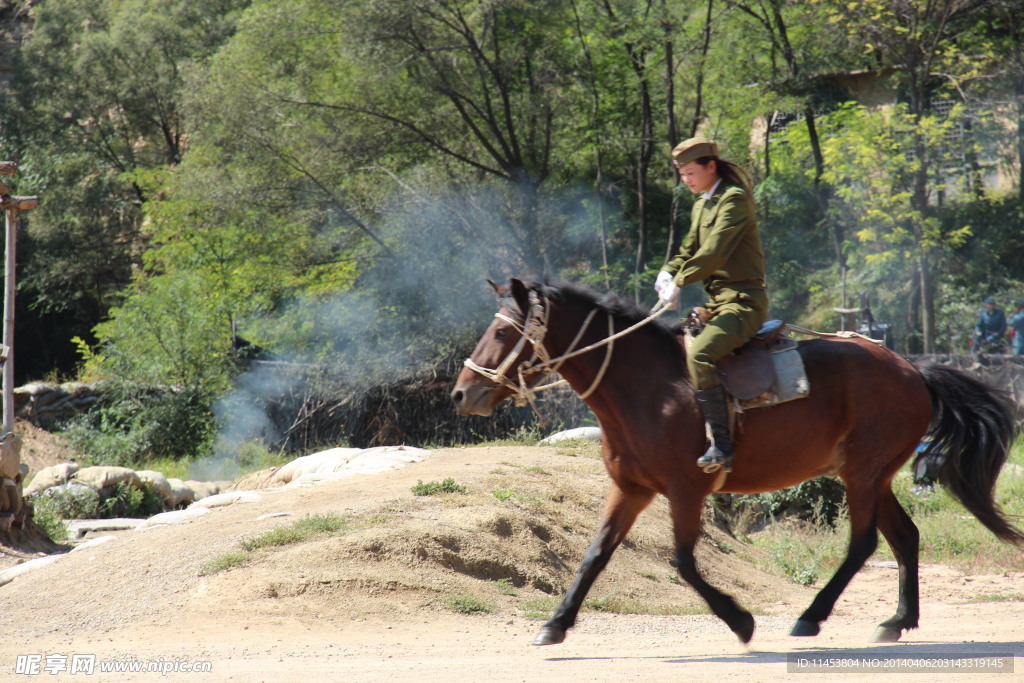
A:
[(686, 509), (620, 511)]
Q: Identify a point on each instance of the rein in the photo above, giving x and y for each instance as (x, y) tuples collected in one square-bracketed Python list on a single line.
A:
[(532, 331)]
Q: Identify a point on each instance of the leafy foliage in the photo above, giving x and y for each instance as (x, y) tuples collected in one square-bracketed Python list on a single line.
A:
[(141, 424), (68, 501)]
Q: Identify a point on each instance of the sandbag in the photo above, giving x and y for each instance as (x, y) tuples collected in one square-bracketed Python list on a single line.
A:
[(102, 476), (181, 493), (158, 484), (51, 476)]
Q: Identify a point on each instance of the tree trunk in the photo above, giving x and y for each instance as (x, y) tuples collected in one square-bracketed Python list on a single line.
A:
[(638, 56), (698, 107), (927, 302), (1019, 92), (673, 134)]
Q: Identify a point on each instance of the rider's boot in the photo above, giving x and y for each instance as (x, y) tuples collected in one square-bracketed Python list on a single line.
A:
[(714, 405)]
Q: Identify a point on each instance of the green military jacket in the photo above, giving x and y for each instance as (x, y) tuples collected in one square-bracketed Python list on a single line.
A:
[(723, 248)]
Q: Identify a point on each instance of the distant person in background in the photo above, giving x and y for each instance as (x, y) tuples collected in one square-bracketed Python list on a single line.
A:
[(1016, 323), (991, 327)]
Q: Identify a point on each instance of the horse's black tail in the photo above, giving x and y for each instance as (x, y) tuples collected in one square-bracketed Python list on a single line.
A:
[(972, 426)]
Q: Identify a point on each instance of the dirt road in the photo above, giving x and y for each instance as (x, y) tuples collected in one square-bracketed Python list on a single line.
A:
[(369, 604)]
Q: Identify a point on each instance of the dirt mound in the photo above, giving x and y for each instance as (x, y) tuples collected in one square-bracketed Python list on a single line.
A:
[(40, 448), (514, 542)]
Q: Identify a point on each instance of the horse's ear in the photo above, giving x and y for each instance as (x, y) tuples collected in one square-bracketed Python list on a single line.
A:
[(521, 293), (500, 290)]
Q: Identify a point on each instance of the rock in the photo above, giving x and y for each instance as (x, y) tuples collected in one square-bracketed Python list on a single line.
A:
[(227, 498), (338, 463), (587, 433), (80, 527), (172, 517)]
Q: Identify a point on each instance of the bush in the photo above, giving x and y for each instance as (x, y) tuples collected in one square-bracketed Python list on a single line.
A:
[(68, 501), (77, 501), (139, 424), (128, 501), (818, 500)]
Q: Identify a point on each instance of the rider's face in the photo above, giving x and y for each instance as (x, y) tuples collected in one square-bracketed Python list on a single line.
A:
[(699, 178)]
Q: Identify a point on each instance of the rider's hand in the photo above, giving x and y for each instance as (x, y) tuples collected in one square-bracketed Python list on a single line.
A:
[(668, 292), (664, 278)]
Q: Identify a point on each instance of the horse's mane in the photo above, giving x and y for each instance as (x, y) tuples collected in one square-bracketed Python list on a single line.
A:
[(618, 306)]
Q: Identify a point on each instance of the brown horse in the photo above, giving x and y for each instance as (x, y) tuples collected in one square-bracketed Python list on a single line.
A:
[(868, 410)]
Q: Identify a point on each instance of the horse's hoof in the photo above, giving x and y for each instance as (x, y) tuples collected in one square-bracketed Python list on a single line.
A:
[(805, 628), (886, 634), (746, 631), (549, 636)]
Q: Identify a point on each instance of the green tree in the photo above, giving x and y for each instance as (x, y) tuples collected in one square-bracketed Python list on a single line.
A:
[(871, 162), (99, 88), (923, 40)]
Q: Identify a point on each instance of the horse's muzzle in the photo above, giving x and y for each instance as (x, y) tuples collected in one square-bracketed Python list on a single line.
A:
[(473, 399)]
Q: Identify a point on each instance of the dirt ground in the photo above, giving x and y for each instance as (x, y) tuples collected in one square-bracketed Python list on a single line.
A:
[(373, 602)]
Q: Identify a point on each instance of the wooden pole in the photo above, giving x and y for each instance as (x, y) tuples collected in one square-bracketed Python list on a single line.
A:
[(8, 348), (10, 443)]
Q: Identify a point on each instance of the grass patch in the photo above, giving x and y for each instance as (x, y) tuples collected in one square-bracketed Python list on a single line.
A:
[(379, 519), (952, 536), (502, 495), (524, 436), (999, 597), (465, 603), (803, 552), (612, 604), (539, 608), (434, 487), (303, 529), (810, 551), (225, 561), (505, 586)]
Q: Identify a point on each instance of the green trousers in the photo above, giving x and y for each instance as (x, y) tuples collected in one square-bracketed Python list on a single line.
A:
[(733, 324)]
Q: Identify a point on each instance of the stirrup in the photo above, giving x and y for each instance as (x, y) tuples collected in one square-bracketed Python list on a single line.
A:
[(711, 464)]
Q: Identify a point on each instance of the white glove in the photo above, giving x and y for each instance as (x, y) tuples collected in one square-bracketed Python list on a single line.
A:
[(668, 292), (664, 278)]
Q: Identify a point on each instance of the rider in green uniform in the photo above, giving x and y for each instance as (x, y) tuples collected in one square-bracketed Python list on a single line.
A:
[(723, 251)]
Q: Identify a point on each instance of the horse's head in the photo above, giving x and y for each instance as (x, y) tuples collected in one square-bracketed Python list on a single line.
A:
[(501, 358)]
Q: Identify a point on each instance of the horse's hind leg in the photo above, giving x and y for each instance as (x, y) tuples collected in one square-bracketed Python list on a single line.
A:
[(621, 510), (686, 520), (863, 505), (902, 535)]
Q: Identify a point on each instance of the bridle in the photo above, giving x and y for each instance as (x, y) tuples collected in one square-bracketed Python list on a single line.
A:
[(532, 331)]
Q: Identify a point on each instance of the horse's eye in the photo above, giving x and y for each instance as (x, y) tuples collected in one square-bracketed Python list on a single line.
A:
[(500, 333)]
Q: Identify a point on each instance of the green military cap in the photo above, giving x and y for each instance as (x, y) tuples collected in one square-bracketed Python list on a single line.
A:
[(693, 149)]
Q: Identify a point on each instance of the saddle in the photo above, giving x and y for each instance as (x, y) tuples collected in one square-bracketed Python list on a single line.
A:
[(766, 370)]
